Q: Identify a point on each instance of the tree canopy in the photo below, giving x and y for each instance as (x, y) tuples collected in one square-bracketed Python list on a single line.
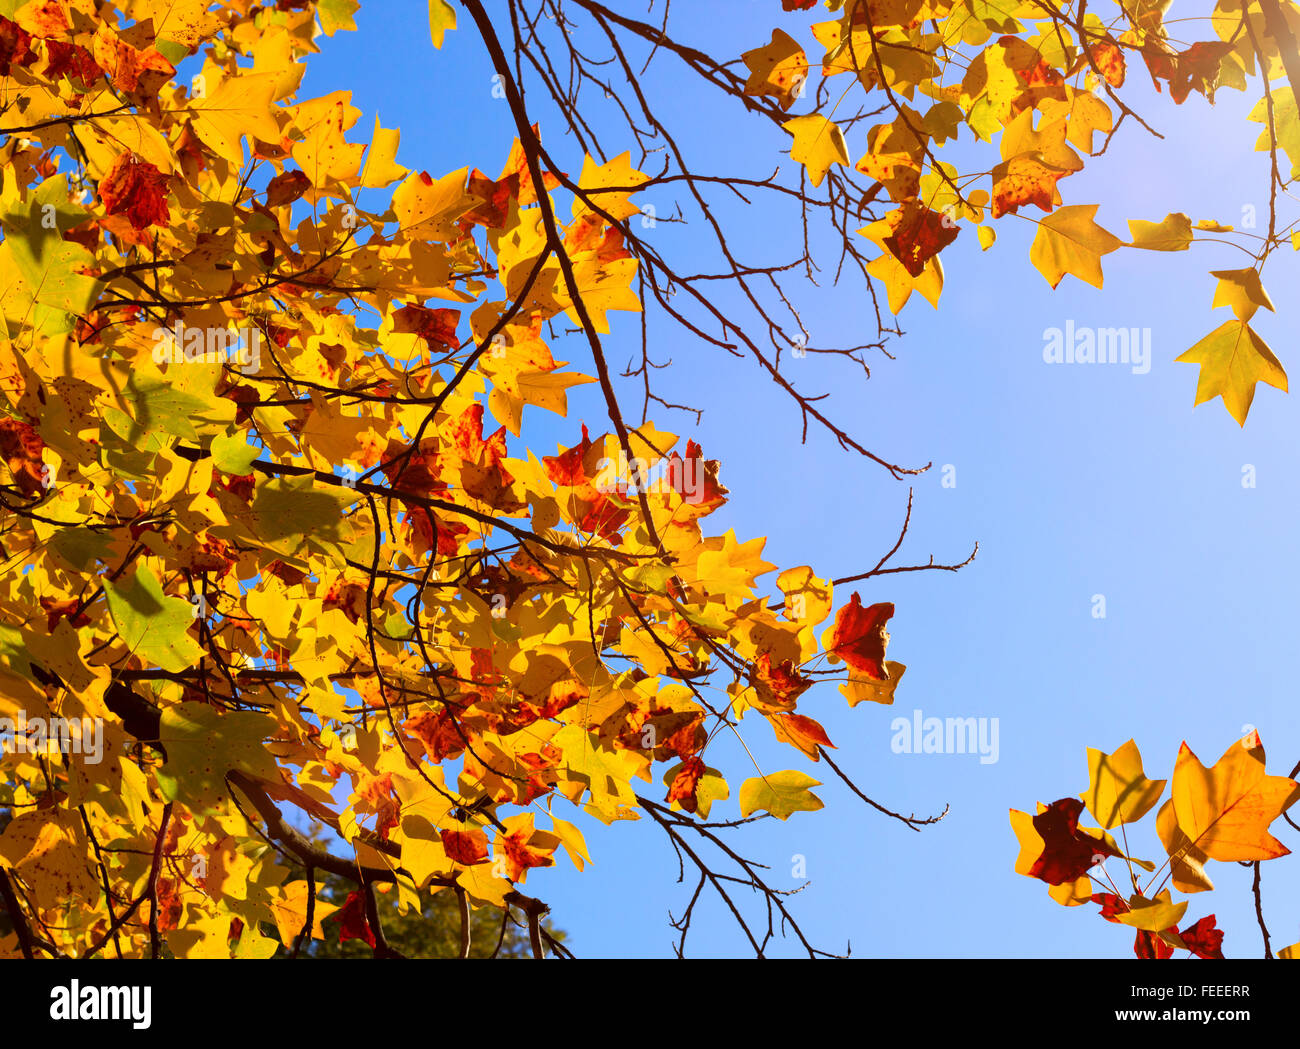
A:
[(293, 598)]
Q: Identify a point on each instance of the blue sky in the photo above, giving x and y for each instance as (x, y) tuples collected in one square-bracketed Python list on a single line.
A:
[(1076, 480)]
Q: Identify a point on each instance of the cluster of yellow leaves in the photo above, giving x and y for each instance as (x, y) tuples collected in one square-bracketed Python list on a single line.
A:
[(1220, 813), (304, 574), (1043, 82)]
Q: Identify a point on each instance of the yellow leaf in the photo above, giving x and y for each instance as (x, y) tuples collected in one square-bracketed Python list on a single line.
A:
[(240, 105), (779, 68), (47, 850), (1069, 241), (548, 389), (1233, 359), (381, 168), (572, 840), (780, 793), (442, 17), (426, 208), (289, 911), (1174, 233), (1186, 861), (181, 21), (323, 154), (1118, 792), (1152, 915), (1242, 290), (1225, 810), (899, 284), (860, 688), (609, 185), (818, 143)]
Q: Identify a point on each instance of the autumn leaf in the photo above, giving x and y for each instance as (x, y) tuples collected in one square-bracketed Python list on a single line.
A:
[(1108, 59), (858, 637), (818, 143), (1225, 810), (780, 793), (801, 732), (1069, 241), (442, 17), (1186, 861), (1152, 915), (779, 69), (1068, 852), (1026, 178), (204, 745), (1204, 939), (919, 236), (352, 921), (305, 585), (1233, 360), (1174, 233), (136, 189), (153, 626), (1118, 791), (1242, 290), (467, 847)]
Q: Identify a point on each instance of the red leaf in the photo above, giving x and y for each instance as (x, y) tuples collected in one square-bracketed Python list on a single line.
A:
[(920, 235), (1068, 852), (286, 187), (433, 326), (138, 190), (566, 468), (56, 609), (1148, 945), (495, 196), (349, 598), (1109, 60), (697, 483), (73, 61), (859, 637), (1203, 939), (782, 681), (520, 856), (21, 448), (802, 732), (15, 46), (439, 732), (465, 847), (352, 920), (685, 784), (1111, 905)]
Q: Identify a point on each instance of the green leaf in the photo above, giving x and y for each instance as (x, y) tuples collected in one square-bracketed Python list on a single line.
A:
[(80, 547), (172, 50), (203, 744), (181, 403), (780, 793), (40, 285), (290, 513), (153, 626), (231, 455)]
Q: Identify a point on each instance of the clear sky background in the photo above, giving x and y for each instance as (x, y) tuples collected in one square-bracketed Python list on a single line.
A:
[(1075, 479)]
